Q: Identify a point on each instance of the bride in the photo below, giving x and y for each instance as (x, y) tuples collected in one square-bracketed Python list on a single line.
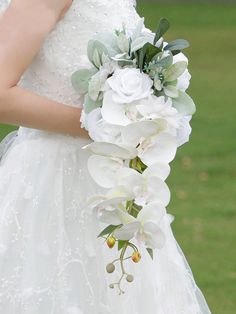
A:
[(51, 260)]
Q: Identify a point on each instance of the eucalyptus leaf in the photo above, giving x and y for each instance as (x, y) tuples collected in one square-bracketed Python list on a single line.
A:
[(90, 105), (80, 79), (184, 104), (107, 230), (175, 71), (178, 44), (163, 27)]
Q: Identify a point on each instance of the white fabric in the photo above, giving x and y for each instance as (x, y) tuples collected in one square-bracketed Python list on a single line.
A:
[(51, 261)]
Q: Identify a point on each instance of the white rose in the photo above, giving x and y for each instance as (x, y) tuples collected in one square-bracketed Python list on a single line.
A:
[(129, 84)]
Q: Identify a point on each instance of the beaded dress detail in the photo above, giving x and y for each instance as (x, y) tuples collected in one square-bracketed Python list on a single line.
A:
[(51, 261)]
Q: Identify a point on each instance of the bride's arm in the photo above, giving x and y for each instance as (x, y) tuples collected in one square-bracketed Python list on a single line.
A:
[(23, 28)]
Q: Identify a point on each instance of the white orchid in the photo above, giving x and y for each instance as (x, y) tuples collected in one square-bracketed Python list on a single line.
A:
[(145, 227), (99, 130), (152, 144), (111, 173)]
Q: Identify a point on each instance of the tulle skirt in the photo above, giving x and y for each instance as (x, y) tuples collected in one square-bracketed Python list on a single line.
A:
[(51, 261)]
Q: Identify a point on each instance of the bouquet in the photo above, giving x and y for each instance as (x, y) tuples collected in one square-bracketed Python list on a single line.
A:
[(137, 113)]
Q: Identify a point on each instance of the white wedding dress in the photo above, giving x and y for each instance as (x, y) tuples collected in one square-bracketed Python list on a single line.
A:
[(51, 261)]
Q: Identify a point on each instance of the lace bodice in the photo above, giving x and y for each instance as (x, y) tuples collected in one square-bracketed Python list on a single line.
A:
[(64, 49)]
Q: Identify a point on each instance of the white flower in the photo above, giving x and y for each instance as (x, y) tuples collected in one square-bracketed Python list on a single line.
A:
[(159, 148), (146, 227), (104, 169), (152, 144), (114, 112), (143, 188), (110, 173), (154, 108), (129, 84), (184, 80), (99, 130), (184, 130)]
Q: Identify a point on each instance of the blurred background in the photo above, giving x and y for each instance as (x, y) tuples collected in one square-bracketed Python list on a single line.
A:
[(203, 178)]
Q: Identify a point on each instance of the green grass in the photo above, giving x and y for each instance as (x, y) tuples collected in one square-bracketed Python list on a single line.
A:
[(203, 178)]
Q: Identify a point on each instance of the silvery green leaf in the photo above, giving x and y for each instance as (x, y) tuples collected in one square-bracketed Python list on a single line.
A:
[(162, 29), (96, 59), (138, 43), (175, 71), (176, 45), (120, 57), (96, 84), (138, 30), (109, 40), (184, 104), (80, 79), (90, 104), (165, 62), (157, 83), (123, 43), (171, 91), (95, 50)]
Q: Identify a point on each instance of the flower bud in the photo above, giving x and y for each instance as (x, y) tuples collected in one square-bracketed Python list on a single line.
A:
[(130, 278), (111, 241), (111, 286), (136, 256), (110, 268)]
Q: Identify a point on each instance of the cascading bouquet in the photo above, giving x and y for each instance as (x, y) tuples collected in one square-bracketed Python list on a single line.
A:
[(137, 113)]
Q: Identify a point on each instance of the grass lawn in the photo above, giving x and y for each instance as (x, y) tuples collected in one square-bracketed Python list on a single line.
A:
[(203, 178)]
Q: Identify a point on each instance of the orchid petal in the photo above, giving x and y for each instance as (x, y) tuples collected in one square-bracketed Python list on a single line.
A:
[(160, 169), (156, 239), (104, 170), (132, 133), (127, 232), (112, 150), (113, 112), (152, 212), (163, 150), (158, 191)]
